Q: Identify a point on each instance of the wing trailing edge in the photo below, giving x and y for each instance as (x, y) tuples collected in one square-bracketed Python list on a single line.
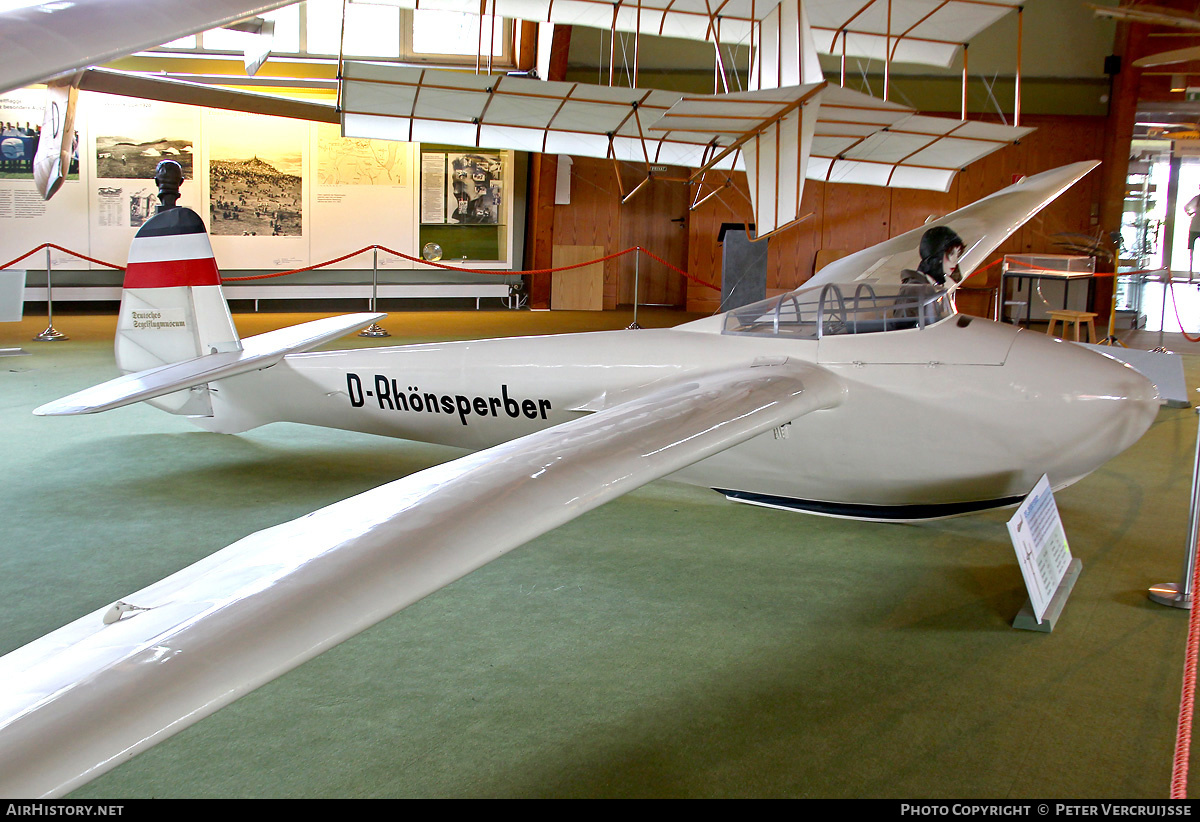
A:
[(91, 695)]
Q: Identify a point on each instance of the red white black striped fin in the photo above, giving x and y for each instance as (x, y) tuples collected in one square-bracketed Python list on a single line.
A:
[(172, 307)]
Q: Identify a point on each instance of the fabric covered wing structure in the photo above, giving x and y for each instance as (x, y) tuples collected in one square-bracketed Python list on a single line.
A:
[(928, 32), (778, 136)]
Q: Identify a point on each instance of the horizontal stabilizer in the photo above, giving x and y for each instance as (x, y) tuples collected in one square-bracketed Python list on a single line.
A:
[(257, 352)]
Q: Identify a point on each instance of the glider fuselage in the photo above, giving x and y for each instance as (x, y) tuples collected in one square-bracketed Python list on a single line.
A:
[(961, 415)]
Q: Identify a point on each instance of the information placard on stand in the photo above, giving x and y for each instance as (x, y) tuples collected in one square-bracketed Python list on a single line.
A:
[(1045, 558)]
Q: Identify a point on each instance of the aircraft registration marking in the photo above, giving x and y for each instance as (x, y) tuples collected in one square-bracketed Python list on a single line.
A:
[(392, 396)]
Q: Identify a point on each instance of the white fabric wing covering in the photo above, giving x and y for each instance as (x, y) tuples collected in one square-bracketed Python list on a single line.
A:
[(928, 32), (687, 19), (784, 134), (860, 139)]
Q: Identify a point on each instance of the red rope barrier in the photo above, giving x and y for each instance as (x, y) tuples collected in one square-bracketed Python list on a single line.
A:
[(297, 270), (1175, 305), (389, 251), (1187, 700), (10, 263), (448, 267)]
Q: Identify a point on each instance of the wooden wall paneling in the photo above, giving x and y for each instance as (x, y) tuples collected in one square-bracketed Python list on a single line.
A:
[(649, 220), (845, 216), (912, 208), (593, 217), (539, 231), (793, 252), (1057, 142), (703, 250), (540, 220), (855, 216), (1128, 85)]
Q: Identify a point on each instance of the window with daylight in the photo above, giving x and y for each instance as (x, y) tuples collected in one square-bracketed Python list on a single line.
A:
[(371, 29)]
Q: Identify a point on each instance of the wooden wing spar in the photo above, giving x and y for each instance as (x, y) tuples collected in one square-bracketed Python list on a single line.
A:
[(779, 136)]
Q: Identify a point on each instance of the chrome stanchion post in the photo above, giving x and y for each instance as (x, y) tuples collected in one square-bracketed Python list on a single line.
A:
[(51, 334), (637, 256), (1162, 317), (373, 330), (1180, 595)]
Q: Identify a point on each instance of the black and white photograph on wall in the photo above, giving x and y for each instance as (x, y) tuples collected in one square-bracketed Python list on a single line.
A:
[(474, 189), (255, 180), (142, 206), (21, 114), (136, 158)]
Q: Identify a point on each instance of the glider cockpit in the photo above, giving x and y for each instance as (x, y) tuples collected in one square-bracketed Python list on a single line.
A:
[(871, 308)]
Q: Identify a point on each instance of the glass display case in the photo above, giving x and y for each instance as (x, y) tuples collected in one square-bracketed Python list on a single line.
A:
[(1032, 285)]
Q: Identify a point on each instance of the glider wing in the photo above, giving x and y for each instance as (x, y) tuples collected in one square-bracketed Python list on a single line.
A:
[(89, 696)]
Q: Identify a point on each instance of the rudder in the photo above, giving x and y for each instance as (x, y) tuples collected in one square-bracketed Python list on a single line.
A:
[(172, 307)]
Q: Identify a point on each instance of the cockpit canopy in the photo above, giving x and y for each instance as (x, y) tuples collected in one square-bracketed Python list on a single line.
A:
[(870, 308)]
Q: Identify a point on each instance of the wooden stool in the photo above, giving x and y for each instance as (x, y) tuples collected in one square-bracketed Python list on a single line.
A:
[(1075, 318)]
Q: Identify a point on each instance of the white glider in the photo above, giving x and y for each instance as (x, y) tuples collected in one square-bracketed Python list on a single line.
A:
[(811, 401)]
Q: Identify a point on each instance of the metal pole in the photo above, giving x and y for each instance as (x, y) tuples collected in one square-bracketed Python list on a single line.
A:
[(373, 330), (1180, 595), (51, 334), (964, 83), (1017, 78), (637, 255), (1162, 316)]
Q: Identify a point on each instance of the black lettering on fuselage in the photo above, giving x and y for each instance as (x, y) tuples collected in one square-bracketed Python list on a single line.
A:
[(381, 391), (354, 389), (392, 395)]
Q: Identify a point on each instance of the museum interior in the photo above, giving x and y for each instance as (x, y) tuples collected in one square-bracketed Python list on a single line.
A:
[(668, 641)]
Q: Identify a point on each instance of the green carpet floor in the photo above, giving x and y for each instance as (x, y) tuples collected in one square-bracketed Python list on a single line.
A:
[(667, 644)]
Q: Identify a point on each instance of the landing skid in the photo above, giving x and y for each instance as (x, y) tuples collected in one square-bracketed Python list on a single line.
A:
[(870, 513)]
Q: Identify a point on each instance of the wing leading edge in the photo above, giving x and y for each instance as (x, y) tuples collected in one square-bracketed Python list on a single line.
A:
[(91, 695)]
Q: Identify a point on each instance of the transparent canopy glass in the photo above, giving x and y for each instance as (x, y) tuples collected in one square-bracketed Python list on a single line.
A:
[(834, 309)]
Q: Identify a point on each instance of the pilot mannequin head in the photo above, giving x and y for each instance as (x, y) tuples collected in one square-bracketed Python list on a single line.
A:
[(940, 250)]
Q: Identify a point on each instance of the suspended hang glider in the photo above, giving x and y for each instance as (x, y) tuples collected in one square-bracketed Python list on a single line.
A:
[(791, 125), (806, 402), (780, 135), (42, 40)]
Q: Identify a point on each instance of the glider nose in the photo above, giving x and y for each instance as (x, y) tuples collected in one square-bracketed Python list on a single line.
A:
[(1090, 407)]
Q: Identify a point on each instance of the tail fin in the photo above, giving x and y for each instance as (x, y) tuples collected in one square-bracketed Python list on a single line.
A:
[(172, 308)]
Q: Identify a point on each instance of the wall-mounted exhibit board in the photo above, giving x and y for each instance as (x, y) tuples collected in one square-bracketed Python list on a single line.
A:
[(26, 220), (276, 194)]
